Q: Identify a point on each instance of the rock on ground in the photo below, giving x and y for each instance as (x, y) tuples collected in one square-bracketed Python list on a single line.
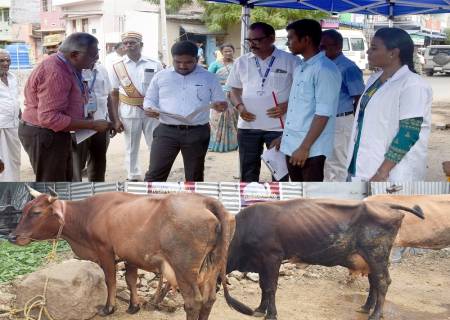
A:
[(75, 289)]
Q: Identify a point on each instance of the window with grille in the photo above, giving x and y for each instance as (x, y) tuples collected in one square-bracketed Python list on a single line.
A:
[(45, 5)]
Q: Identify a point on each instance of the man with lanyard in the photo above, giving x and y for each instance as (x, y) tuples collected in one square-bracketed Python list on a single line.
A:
[(54, 103), (308, 136), (9, 120), (130, 79), (181, 97), (114, 56), (351, 89), (255, 79), (93, 149)]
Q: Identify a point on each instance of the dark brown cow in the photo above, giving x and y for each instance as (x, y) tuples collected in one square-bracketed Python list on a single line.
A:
[(183, 236), (354, 234)]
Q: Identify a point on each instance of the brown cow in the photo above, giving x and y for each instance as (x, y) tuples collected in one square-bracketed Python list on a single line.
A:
[(354, 234), (431, 233), (183, 236)]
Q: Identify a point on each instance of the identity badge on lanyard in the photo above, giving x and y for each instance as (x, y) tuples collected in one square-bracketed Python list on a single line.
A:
[(91, 106), (266, 74)]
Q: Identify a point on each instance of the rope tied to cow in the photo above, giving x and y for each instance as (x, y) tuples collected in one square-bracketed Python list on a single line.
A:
[(39, 301)]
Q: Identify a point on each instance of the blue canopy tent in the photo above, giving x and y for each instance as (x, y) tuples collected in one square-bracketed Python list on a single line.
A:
[(387, 8)]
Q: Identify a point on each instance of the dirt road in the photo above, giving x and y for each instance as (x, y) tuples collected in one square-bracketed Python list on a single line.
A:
[(419, 291)]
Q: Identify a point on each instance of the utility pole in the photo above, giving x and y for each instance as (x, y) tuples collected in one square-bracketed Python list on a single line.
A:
[(165, 50), (245, 22)]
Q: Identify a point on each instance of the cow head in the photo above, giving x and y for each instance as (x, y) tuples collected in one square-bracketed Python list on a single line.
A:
[(41, 219)]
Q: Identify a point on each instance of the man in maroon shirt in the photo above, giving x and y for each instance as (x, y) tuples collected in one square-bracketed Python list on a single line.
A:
[(55, 96)]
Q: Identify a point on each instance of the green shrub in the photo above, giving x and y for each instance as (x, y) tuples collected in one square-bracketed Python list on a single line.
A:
[(16, 260)]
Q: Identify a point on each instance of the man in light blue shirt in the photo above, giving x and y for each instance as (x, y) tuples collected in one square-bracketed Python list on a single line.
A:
[(308, 135), (181, 98), (351, 89)]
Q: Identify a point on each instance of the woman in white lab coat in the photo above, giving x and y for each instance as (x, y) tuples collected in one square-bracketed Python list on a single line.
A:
[(392, 123)]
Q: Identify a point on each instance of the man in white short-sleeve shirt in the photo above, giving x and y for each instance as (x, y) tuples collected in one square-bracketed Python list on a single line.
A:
[(255, 79), (92, 151), (9, 121), (181, 97)]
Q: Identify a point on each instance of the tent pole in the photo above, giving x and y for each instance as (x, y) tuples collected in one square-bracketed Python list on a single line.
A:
[(245, 22), (391, 15), (165, 49)]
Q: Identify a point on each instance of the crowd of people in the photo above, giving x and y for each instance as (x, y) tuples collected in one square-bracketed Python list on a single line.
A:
[(316, 110)]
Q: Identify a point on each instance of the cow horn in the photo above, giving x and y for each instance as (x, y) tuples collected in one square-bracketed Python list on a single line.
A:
[(53, 193), (33, 192)]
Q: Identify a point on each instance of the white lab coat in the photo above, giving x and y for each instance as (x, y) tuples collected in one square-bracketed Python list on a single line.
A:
[(405, 95)]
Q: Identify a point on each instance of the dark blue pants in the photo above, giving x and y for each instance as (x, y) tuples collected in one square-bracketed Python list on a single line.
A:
[(251, 146)]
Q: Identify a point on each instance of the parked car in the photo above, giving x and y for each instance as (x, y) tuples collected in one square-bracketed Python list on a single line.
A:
[(354, 45), (437, 59)]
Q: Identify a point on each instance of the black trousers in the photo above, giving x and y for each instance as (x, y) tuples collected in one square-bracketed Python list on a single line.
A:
[(168, 141), (50, 152), (311, 171), (251, 146), (93, 152)]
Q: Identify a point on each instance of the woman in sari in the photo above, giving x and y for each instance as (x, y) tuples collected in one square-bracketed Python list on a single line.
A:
[(223, 124)]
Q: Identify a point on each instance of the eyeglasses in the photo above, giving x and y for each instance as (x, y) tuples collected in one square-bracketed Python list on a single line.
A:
[(255, 40), (5, 60), (131, 43)]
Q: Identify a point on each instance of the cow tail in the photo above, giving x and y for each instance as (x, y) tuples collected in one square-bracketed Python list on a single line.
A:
[(416, 210), (228, 225), (232, 302)]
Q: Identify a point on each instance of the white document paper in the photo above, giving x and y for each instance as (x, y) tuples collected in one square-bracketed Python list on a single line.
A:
[(258, 105), (276, 162), (83, 134), (183, 118)]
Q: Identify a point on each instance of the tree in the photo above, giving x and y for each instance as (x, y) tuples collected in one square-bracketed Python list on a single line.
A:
[(220, 16), (447, 32)]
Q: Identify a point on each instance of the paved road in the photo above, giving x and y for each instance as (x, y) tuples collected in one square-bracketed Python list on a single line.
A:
[(441, 87), (440, 84)]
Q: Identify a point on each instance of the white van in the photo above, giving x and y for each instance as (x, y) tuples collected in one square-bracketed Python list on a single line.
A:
[(354, 45), (437, 59)]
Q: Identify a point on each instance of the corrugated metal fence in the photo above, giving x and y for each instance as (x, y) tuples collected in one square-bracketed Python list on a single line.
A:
[(235, 195)]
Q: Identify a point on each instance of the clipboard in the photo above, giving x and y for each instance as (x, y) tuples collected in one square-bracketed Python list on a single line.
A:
[(275, 162)]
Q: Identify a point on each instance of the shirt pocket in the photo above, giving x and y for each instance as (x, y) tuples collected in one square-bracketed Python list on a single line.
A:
[(167, 88), (202, 92), (306, 91), (281, 80)]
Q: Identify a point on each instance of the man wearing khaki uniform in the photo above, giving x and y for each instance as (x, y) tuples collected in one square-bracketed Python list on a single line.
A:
[(130, 78)]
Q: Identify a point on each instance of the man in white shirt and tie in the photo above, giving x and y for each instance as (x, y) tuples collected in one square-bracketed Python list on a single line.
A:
[(181, 96), (9, 121), (130, 78)]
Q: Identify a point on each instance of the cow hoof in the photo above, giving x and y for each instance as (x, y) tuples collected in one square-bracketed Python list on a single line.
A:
[(375, 317), (106, 311), (133, 309), (363, 309), (259, 314), (270, 318)]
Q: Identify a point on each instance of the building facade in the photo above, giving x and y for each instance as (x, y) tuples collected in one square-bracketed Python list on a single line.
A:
[(5, 24)]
